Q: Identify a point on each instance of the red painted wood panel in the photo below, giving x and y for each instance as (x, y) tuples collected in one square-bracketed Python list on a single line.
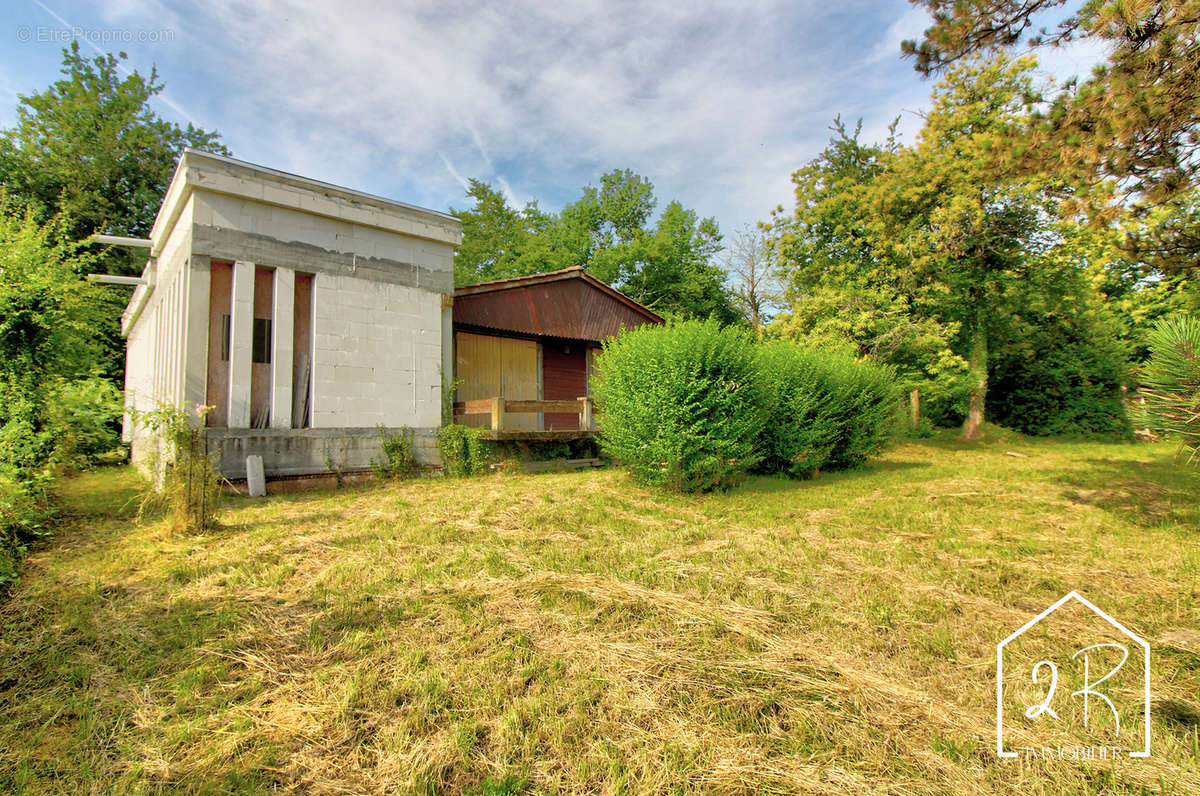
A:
[(564, 378)]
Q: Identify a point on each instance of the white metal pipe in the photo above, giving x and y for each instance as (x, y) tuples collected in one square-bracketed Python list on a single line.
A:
[(110, 279), (121, 240)]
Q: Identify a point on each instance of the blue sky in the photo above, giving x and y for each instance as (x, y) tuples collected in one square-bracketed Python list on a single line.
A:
[(716, 103)]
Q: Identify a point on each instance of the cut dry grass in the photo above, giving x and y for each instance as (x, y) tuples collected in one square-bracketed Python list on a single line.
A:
[(574, 633)]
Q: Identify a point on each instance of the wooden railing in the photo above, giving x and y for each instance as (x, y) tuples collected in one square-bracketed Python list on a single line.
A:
[(497, 407)]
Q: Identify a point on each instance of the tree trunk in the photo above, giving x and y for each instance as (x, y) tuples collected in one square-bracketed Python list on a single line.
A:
[(973, 426)]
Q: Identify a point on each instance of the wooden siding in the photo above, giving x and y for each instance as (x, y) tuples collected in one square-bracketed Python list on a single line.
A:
[(492, 367), (564, 378), (220, 296), (302, 347), (260, 372)]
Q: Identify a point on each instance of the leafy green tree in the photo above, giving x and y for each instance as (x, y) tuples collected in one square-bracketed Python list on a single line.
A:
[(91, 148), (930, 232), (668, 266), (1135, 119), (672, 269), (825, 236), (48, 318), (90, 151), (498, 240), (1060, 360), (879, 324), (961, 239)]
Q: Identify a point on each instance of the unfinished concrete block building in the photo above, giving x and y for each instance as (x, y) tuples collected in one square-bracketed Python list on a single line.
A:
[(306, 315)]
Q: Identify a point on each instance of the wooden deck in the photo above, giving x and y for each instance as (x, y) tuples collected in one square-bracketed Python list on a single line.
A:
[(534, 436), (495, 408)]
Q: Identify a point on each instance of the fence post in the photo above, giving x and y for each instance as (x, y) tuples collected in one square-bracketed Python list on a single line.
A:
[(497, 414), (585, 414), (914, 407)]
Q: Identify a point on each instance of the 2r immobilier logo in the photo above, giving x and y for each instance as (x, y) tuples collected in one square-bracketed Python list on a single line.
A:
[(1073, 683)]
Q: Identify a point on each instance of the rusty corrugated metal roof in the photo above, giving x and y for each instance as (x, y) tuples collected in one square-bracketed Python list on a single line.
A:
[(569, 303)]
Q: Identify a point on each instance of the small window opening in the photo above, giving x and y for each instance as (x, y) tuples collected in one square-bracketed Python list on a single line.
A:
[(262, 340), (225, 320)]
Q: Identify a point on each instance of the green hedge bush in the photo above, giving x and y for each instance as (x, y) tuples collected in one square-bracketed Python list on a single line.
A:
[(826, 409), (681, 405), (87, 415)]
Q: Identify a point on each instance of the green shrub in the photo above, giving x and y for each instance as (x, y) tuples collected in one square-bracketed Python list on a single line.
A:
[(923, 430), (1171, 381), (86, 415), (463, 449), (24, 513), (944, 397), (1060, 378), (865, 395), (681, 405), (827, 410), (802, 429), (399, 459)]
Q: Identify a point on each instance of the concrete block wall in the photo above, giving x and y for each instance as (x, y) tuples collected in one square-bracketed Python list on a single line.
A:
[(377, 354)]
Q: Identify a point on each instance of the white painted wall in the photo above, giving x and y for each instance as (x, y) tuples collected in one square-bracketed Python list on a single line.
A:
[(156, 349)]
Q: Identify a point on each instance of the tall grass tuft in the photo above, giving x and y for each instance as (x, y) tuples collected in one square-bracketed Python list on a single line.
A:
[(186, 485)]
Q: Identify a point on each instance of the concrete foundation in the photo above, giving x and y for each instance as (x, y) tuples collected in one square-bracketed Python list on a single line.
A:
[(288, 452)]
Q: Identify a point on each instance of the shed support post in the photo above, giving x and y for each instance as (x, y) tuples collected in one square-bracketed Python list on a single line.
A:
[(497, 414), (585, 414)]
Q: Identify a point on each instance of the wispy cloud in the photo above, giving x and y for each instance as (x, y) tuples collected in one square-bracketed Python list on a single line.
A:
[(163, 96), (461, 180), (717, 102)]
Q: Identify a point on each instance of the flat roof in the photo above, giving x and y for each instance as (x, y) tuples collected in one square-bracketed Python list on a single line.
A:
[(308, 182), (203, 171)]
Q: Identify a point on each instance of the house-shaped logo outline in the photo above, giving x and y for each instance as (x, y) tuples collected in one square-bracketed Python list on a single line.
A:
[(1145, 752)]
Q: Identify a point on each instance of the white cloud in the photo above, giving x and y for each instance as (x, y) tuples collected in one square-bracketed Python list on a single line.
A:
[(717, 101)]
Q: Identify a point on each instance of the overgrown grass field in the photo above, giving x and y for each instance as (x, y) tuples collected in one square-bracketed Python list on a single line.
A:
[(575, 633)]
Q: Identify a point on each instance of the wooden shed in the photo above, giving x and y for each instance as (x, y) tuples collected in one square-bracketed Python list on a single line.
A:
[(524, 349)]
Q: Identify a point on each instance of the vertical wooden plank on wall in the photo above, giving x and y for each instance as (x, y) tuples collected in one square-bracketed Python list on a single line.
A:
[(302, 351), (497, 367), (519, 377), (220, 311), (261, 348), (477, 367)]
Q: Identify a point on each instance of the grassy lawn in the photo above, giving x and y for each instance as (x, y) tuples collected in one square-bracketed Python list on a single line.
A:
[(575, 633)]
